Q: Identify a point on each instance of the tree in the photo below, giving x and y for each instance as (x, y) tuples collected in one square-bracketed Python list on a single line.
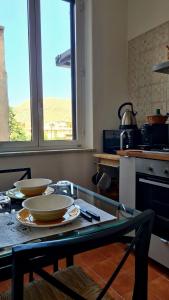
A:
[(16, 132)]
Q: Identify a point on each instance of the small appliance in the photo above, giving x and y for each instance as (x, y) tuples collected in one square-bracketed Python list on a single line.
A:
[(111, 139), (153, 135)]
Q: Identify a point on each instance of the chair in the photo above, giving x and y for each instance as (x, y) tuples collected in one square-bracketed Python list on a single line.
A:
[(20, 172), (72, 282)]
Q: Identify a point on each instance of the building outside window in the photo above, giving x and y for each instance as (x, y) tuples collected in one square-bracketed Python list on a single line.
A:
[(38, 84)]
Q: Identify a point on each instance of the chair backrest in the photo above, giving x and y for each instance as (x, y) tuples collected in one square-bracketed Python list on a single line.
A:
[(9, 176), (34, 256)]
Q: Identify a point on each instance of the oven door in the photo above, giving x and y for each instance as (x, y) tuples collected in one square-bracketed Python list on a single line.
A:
[(153, 192)]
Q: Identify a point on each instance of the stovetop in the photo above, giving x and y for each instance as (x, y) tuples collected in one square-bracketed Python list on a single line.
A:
[(155, 148)]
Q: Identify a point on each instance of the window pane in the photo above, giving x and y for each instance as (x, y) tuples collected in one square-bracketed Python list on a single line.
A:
[(15, 114), (56, 70)]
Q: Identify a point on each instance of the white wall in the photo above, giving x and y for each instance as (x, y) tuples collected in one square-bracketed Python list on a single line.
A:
[(76, 167), (144, 15), (109, 64)]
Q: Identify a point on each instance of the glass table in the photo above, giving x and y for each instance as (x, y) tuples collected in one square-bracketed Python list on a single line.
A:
[(120, 219)]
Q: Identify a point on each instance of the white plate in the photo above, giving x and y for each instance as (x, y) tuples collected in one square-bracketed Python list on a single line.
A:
[(25, 218), (14, 193)]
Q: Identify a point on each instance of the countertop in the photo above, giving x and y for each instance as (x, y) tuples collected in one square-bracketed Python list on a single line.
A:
[(107, 156), (144, 154), (107, 159)]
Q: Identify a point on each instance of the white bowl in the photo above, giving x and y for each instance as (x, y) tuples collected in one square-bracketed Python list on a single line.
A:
[(32, 187), (49, 207)]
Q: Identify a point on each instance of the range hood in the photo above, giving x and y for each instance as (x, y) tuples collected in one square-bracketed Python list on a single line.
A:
[(162, 68)]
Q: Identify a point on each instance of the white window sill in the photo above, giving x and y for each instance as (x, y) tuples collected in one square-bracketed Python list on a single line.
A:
[(39, 152)]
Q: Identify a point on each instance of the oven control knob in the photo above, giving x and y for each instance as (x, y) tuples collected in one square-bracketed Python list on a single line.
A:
[(151, 169), (166, 171)]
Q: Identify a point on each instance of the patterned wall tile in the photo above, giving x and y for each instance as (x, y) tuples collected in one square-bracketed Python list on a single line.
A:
[(164, 88), (148, 90), (161, 35), (161, 105), (168, 110), (157, 92), (167, 95), (135, 45)]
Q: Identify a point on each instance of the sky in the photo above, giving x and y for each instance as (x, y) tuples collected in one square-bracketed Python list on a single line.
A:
[(55, 33)]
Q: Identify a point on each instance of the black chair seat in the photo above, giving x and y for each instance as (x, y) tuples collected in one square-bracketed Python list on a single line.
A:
[(73, 277)]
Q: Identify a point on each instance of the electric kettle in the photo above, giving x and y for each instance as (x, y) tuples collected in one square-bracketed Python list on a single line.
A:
[(128, 119)]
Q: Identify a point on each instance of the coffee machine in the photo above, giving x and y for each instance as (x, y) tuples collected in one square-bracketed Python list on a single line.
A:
[(127, 136), (154, 136)]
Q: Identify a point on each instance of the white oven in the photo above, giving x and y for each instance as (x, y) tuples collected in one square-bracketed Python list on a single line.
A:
[(144, 183)]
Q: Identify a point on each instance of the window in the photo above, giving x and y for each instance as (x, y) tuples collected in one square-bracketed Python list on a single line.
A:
[(14, 72), (38, 82)]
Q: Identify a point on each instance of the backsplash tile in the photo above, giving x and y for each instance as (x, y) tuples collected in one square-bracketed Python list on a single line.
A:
[(148, 90)]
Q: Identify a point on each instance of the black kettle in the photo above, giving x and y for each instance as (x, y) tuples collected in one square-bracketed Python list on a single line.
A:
[(128, 119)]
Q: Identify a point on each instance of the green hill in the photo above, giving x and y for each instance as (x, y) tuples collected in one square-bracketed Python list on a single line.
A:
[(55, 110)]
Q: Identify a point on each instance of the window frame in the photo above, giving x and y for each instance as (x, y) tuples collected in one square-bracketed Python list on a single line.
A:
[(36, 88)]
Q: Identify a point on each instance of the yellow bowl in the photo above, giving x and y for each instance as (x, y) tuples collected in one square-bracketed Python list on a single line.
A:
[(32, 187), (48, 207)]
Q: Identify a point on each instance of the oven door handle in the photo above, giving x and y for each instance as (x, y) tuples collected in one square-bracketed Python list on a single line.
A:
[(154, 183)]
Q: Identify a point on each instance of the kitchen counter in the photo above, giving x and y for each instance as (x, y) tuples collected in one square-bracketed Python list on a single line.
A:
[(107, 156), (108, 159), (144, 154)]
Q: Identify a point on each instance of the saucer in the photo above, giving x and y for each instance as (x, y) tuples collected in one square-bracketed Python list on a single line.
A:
[(16, 194), (25, 218)]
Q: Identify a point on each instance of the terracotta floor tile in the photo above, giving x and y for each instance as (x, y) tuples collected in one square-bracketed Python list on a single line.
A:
[(151, 296), (123, 284), (129, 265), (5, 285), (114, 294), (99, 280), (100, 263), (104, 268), (160, 269), (152, 273), (78, 260), (90, 257), (111, 250), (62, 263), (124, 281), (116, 252), (166, 275), (160, 287), (116, 258)]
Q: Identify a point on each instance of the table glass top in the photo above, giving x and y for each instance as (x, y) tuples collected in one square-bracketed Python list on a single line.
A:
[(102, 213)]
